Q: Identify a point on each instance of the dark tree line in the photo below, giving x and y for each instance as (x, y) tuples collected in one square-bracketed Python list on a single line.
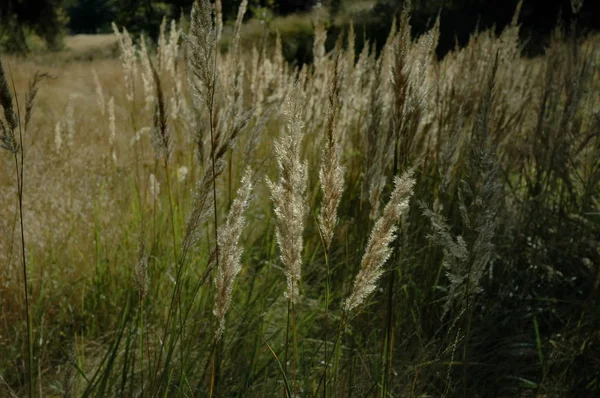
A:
[(45, 18), (460, 18), (50, 19)]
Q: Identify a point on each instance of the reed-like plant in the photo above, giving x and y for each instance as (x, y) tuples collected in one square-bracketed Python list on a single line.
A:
[(14, 145), (502, 294)]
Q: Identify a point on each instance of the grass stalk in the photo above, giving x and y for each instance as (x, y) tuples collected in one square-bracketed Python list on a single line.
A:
[(19, 172), (213, 150), (19, 157), (327, 292)]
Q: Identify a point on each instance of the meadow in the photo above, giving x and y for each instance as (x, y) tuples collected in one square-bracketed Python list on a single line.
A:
[(189, 218)]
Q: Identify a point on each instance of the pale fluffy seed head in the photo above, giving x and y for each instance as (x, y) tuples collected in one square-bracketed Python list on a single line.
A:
[(238, 28), (161, 129), (288, 194), (219, 18), (230, 251), (111, 122), (319, 42), (6, 103), (147, 78), (202, 205), (182, 173), (141, 271), (172, 49), (112, 129), (58, 140), (153, 187), (378, 248), (202, 39), (162, 42), (99, 92), (128, 60), (331, 174), (70, 120)]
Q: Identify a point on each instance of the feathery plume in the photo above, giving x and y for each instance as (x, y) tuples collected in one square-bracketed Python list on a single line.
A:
[(237, 118), (172, 49), (230, 251), (202, 205), (319, 42), (456, 255), (182, 173), (6, 100), (147, 76), (7, 137), (238, 28), (99, 91), (378, 248), (58, 140), (351, 50), (255, 81), (331, 173), (161, 131), (219, 18), (376, 146), (202, 39), (154, 187), (128, 60), (31, 94), (141, 271), (162, 43), (288, 194), (70, 120), (112, 128)]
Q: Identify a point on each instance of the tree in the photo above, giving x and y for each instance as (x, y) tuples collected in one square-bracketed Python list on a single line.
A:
[(90, 16), (46, 18)]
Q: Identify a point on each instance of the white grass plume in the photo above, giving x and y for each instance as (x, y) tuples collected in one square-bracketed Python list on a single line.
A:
[(288, 193), (331, 173), (202, 39), (230, 251), (70, 120), (141, 271), (128, 60), (58, 140), (456, 256), (235, 43), (219, 18), (319, 42), (378, 248), (99, 92), (112, 129), (147, 75), (202, 206)]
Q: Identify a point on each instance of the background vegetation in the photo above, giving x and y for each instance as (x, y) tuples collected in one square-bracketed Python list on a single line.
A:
[(50, 20), (152, 270)]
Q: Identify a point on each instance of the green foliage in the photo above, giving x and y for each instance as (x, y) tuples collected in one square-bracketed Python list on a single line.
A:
[(44, 18), (90, 16)]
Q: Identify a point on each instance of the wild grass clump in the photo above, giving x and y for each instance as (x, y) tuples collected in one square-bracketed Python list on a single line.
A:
[(183, 221)]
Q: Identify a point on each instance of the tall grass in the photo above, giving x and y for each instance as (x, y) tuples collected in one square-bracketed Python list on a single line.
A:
[(418, 226)]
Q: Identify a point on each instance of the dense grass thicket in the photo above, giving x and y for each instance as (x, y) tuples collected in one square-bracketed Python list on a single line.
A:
[(198, 222)]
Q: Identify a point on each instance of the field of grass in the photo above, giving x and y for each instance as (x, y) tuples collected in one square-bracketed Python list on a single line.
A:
[(197, 222)]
